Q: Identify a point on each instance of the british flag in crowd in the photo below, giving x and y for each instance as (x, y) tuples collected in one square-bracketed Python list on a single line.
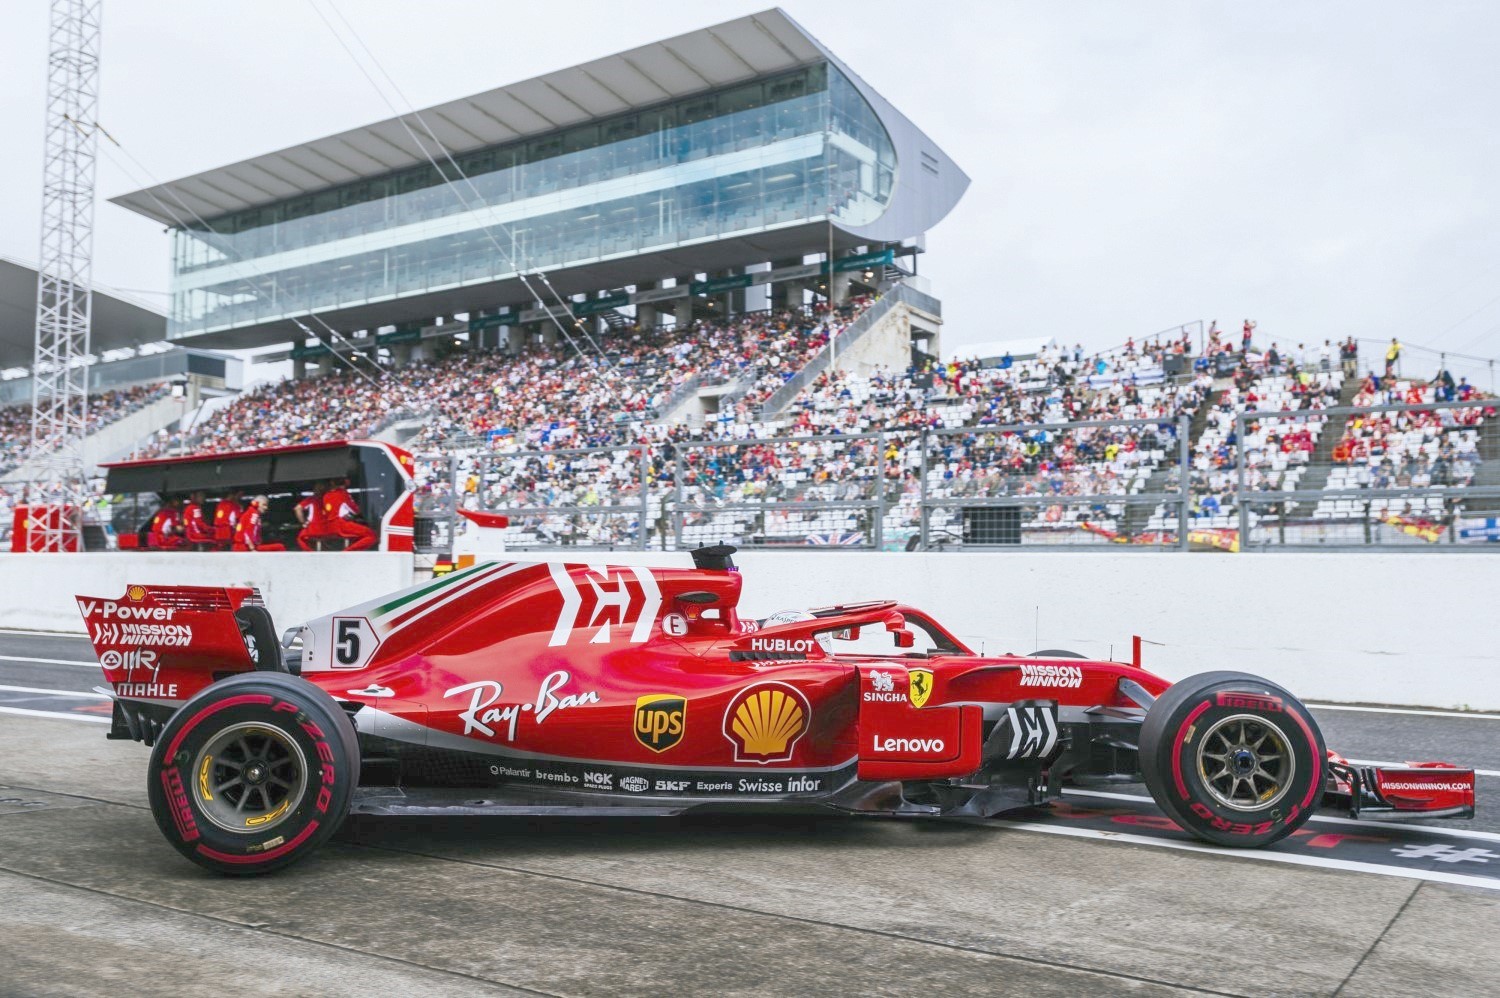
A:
[(844, 539)]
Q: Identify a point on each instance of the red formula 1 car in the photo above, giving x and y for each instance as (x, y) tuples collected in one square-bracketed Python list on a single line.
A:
[(513, 688)]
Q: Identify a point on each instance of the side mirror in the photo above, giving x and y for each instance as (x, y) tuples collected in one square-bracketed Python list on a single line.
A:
[(896, 624)]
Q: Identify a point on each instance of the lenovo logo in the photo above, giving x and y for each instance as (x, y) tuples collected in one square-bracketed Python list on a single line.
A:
[(925, 746)]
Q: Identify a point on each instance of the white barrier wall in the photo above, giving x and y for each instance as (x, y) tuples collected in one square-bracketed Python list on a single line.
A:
[(1415, 629), (36, 590)]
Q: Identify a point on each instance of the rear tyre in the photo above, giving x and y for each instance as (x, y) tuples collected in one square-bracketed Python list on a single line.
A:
[(253, 773), (1232, 758)]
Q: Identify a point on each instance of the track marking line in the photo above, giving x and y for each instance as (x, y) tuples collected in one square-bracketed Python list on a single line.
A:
[(55, 693), (1437, 876), (48, 661), (1463, 714), (55, 715), (43, 634), (1329, 819), (1375, 762)]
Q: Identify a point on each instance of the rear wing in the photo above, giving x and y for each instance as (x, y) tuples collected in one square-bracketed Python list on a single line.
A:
[(162, 644)]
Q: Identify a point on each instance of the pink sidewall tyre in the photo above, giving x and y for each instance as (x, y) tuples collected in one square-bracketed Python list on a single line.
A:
[(253, 773), (1233, 759)]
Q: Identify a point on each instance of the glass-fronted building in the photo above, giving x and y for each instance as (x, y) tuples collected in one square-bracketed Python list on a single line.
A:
[(751, 165)]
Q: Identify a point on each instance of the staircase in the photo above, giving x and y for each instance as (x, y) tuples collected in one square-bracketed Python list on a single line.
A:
[(1137, 515), (1487, 475), (1320, 461), (616, 320), (900, 294)]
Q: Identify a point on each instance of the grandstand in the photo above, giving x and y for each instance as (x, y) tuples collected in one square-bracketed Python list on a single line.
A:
[(680, 304), (137, 384)]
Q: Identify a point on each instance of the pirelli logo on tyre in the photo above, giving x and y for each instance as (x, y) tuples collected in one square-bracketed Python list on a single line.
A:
[(1250, 701), (660, 720)]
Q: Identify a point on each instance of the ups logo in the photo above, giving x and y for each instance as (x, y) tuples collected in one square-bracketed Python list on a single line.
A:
[(659, 720)]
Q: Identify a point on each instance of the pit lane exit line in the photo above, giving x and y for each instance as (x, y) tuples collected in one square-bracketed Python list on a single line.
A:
[(1324, 818), (1253, 855), (55, 715), (54, 693), (1376, 762), (1406, 710), (48, 661)]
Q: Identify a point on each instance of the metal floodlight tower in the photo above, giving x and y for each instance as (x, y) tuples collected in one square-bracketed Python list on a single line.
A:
[(64, 296)]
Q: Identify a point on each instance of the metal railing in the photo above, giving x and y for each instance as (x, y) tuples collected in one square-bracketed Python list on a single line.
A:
[(1408, 475), (812, 491), (597, 497), (1087, 483)]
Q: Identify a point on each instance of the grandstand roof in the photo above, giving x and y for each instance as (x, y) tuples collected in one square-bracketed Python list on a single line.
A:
[(119, 320), (741, 49)]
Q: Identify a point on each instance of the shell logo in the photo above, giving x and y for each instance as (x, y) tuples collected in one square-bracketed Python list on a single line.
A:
[(135, 593), (763, 722)]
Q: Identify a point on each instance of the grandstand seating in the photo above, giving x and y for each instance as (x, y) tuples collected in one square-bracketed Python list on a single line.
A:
[(541, 399), (1277, 448), (1435, 448), (104, 408), (516, 424)]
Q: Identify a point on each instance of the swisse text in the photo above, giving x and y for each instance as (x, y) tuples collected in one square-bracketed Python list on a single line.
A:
[(929, 746), (1070, 676), (782, 644)]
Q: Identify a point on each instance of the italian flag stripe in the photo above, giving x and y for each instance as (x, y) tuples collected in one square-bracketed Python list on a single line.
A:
[(447, 580)]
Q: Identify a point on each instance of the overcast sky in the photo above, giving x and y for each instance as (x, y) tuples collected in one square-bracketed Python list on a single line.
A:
[(1324, 168)]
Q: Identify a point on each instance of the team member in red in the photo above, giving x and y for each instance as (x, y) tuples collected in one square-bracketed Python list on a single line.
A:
[(165, 532), (247, 530), (310, 515), (226, 517), (339, 512), (195, 528)]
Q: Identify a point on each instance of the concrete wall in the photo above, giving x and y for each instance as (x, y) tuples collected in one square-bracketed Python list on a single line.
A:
[(1412, 629), (887, 344), (36, 591), (1376, 628)]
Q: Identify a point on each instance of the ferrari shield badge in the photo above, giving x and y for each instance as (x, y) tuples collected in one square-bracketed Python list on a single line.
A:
[(919, 686)]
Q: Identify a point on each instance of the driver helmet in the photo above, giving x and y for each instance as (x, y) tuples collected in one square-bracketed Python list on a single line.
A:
[(825, 641)]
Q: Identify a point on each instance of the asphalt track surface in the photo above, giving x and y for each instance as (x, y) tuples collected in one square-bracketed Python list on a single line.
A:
[(1097, 895)]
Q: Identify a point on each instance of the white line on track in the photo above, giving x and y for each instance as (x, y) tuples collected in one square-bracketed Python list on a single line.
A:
[(49, 661), (1456, 714), (1376, 762), (1326, 818), (55, 714), (54, 693), (1256, 855), (43, 634)]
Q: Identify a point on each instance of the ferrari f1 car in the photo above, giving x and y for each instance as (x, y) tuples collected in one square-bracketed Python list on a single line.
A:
[(524, 689)]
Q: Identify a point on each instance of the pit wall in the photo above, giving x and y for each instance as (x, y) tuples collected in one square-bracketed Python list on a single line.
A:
[(1409, 629)]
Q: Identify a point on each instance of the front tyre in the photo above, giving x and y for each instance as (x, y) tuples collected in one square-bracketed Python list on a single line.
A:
[(1232, 758), (253, 773)]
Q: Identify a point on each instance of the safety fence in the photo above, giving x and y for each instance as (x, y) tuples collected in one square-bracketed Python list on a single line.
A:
[(1409, 476), (1420, 475)]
